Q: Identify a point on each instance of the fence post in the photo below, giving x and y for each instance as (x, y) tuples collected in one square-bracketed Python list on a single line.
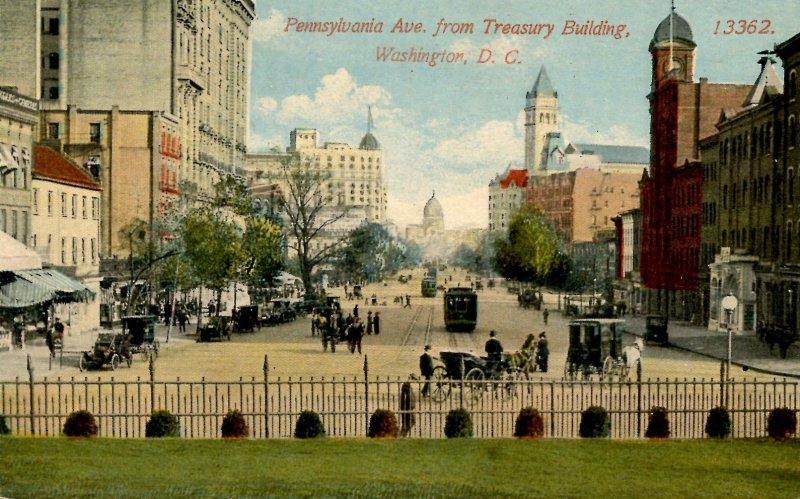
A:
[(366, 393), (461, 377), (30, 384), (152, 368), (723, 394), (639, 400), (266, 396), (552, 409)]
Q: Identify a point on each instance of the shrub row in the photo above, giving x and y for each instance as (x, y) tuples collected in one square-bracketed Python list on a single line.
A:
[(595, 423)]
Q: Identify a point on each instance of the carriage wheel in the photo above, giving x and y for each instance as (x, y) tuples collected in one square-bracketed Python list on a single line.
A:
[(608, 368), (510, 383), (83, 364), (114, 362), (440, 387), (473, 385)]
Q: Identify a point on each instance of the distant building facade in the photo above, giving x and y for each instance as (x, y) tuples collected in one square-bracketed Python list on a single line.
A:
[(506, 195), (17, 135)]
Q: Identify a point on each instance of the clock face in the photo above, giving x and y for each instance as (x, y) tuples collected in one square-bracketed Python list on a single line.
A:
[(677, 66)]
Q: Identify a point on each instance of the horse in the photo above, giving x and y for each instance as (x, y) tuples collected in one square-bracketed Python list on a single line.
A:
[(632, 354), (521, 359)]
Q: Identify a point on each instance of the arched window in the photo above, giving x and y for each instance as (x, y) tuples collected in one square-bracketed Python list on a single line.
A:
[(768, 139), (790, 186), (792, 131), (792, 84), (724, 238), (753, 141), (788, 240)]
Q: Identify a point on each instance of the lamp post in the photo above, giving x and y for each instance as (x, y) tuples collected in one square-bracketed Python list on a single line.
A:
[(729, 304)]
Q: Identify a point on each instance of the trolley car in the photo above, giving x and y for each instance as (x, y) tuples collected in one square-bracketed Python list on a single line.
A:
[(429, 287), (460, 309)]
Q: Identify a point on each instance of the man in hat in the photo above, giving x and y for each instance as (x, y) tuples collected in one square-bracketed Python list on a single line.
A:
[(542, 352), (426, 370), (494, 349)]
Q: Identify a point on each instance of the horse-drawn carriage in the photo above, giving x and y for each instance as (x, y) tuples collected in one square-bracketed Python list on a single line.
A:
[(109, 349), (246, 319), (218, 328), (141, 331), (595, 348), (470, 370)]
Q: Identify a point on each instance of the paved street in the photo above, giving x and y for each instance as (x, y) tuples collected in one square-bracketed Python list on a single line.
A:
[(293, 352)]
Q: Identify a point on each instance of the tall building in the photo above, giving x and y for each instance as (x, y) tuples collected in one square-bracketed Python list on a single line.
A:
[(352, 176), (682, 112), (186, 60), (506, 195), (541, 120)]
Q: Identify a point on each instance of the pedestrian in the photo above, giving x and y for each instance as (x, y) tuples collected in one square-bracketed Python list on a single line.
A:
[(369, 322), (493, 347), (182, 320), (59, 329), (355, 310), (408, 302), (426, 370), (51, 345), (376, 324), (314, 318), (542, 352), (407, 405), (545, 315)]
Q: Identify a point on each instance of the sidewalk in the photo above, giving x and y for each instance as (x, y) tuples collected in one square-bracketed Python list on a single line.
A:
[(747, 352)]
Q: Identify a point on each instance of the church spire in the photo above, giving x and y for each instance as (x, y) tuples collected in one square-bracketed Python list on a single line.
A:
[(369, 119), (542, 86)]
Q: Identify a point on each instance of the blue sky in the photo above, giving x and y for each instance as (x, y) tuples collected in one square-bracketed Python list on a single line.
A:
[(452, 127)]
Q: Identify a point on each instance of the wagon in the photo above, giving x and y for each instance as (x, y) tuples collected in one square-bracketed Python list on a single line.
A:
[(656, 329), (595, 348), (218, 328), (469, 372), (245, 319), (142, 335), (109, 349)]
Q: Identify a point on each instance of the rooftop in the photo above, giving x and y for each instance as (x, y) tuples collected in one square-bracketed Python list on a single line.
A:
[(50, 165)]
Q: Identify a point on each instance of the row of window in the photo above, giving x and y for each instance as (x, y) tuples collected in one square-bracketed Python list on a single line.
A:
[(14, 223), (95, 131), (759, 142), (82, 252), (16, 178), (95, 206)]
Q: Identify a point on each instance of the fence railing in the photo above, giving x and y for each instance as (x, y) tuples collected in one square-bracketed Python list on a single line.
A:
[(272, 406)]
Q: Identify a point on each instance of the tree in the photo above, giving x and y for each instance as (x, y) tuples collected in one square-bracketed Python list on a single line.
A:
[(309, 214), (532, 249), (143, 255), (261, 245), (371, 252)]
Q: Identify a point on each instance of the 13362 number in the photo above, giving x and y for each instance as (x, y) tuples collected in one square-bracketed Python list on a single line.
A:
[(744, 27)]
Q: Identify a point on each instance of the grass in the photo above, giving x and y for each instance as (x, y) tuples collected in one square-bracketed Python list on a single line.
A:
[(174, 468)]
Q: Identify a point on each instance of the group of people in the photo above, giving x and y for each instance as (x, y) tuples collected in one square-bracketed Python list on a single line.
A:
[(494, 350), (352, 328)]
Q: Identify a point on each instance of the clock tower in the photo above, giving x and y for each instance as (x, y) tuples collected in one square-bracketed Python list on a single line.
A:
[(541, 119), (673, 51)]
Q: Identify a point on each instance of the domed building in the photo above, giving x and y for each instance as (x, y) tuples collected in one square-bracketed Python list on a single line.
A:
[(433, 216), (431, 235)]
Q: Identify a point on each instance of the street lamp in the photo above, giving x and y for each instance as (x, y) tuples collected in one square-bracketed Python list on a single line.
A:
[(729, 304)]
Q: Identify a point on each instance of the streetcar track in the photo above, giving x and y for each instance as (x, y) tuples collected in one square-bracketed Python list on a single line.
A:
[(410, 328)]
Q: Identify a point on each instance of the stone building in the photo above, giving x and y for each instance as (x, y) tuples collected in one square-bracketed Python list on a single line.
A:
[(436, 241), (541, 122), (352, 178), (628, 282), (682, 112), (506, 195), (17, 135), (65, 226), (187, 60)]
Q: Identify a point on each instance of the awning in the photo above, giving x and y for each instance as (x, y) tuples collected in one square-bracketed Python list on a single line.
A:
[(7, 161), (32, 287), (16, 256)]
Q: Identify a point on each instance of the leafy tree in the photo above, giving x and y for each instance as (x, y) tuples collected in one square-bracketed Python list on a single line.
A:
[(371, 253), (261, 245), (143, 256), (212, 248), (532, 249)]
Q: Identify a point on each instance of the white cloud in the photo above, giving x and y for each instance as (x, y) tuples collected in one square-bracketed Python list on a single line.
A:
[(266, 29), (261, 143), (492, 143), (338, 99), (586, 133), (266, 105)]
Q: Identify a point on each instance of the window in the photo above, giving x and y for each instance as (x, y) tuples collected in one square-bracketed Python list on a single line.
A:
[(63, 204), (52, 93), (74, 206), (49, 203), (74, 250), (53, 25), (52, 60), (94, 132), (53, 130), (83, 207), (83, 250), (35, 201), (94, 250), (63, 250)]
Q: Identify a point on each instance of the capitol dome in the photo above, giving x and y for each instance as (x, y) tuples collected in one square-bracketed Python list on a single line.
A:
[(681, 31), (432, 208), (369, 143)]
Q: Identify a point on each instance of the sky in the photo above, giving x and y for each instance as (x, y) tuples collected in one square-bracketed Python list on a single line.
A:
[(452, 127)]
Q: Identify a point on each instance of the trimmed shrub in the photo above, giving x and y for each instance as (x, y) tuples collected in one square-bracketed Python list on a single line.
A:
[(234, 425), (80, 424), (595, 423), (658, 423), (162, 423), (529, 424), (383, 424), (718, 422), (781, 423), (4, 429), (458, 424), (309, 425)]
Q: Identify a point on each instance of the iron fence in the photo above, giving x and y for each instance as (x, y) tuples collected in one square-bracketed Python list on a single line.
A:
[(271, 406)]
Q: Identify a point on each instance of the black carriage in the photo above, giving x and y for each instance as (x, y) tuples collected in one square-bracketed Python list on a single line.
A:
[(277, 312), (141, 331), (469, 371), (218, 328), (357, 292), (656, 329), (110, 349), (460, 309), (245, 319), (429, 287), (595, 345)]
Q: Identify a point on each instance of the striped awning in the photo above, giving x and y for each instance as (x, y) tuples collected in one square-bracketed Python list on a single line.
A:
[(32, 287)]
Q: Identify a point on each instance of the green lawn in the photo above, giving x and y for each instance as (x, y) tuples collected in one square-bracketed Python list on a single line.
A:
[(167, 468)]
